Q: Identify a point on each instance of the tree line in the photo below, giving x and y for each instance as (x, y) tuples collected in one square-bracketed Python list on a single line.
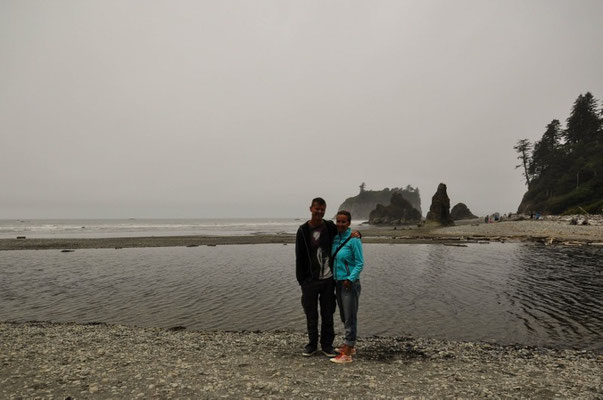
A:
[(564, 169)]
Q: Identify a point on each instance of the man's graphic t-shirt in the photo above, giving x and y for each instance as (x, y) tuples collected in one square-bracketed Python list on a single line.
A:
[(320, 250)]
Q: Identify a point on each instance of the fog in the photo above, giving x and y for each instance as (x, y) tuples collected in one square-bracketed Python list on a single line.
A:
[(250, 109)]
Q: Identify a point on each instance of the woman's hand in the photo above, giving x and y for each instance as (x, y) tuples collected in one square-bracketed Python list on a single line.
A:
[(347, 284)]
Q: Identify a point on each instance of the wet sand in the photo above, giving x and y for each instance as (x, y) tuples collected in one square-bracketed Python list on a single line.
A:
[(46, 360)]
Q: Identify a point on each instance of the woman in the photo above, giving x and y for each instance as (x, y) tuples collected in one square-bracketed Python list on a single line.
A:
[(348, 261)]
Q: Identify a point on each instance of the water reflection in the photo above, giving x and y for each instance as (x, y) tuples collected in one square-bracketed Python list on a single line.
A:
[(504, 292), (556, 291)]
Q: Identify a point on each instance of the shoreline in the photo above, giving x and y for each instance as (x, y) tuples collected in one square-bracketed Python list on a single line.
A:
[(116, 361), (541, 231)]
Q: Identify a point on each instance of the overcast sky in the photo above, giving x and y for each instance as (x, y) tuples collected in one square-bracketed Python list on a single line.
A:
[(251, 108)]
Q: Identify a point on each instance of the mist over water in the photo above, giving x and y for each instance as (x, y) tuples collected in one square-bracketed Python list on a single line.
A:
[(508, 293)]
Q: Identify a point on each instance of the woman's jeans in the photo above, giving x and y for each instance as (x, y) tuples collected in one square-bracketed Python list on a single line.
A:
[(347, 300)]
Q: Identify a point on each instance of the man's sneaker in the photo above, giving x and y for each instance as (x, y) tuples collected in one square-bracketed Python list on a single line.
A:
[(309, 350), (341, 359), (340, 349), (329, 352)]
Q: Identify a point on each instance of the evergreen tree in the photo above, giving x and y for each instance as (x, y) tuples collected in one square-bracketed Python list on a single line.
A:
[(547, 161), (546, 151), (523, 147), (584, 123), (582, 134)]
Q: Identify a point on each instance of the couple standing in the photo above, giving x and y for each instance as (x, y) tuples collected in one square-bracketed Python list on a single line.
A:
[(328, 263)]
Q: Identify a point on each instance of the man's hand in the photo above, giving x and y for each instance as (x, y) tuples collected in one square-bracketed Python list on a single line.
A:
[(347, 284), (356, 234)]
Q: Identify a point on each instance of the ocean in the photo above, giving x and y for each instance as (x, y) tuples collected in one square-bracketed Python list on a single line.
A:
[(134, 227)]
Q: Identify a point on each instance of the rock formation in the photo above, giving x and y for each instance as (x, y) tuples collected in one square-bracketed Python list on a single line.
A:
[(398, 212), (439, 212), (461, 211), (361, 205)]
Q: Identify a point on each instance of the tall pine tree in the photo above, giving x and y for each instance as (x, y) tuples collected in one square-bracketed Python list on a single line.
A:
[(523, 147), (584, 123)]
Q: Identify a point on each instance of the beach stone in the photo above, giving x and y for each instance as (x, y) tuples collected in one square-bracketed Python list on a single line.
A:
[(439, 212)]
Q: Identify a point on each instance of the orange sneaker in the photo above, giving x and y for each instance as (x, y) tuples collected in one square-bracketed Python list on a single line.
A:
[(341, 359), (345, 356)]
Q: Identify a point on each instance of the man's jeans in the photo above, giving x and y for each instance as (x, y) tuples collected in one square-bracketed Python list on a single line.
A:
[(347, 299), (313, 293)]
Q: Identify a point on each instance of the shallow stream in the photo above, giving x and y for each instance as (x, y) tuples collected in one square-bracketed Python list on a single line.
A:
[(507, 293)]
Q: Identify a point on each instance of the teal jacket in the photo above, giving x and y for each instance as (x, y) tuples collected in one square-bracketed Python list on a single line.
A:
[(349, 261)]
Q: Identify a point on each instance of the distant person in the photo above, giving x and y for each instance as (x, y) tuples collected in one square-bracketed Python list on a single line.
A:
[(348, 261), (313, 272), (486, 219)]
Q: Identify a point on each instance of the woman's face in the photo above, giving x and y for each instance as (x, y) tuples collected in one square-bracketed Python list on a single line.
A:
[(342, 222)]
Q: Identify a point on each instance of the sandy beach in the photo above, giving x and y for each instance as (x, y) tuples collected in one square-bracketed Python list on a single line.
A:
[(46, 360), (549, 231)]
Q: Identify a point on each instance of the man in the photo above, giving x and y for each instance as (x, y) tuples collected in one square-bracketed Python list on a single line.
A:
[(314, 274)]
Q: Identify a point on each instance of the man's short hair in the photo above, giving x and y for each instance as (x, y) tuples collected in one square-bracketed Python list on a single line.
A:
[(346, 213), (318, 200)]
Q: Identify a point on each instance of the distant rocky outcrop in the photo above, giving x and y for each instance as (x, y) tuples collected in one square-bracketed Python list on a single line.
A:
[(461, 211), (361, 205), (439, 212), (399, 212)]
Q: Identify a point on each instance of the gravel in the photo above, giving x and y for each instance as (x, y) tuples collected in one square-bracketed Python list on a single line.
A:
[(59, 361)]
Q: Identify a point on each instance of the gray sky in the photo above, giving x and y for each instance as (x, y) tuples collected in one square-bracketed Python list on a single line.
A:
[(251, 108)]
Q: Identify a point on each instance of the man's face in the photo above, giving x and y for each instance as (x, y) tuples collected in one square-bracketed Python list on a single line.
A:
[(317, 210)]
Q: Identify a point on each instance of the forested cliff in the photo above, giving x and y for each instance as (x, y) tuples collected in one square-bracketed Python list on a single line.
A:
[(564, 169)]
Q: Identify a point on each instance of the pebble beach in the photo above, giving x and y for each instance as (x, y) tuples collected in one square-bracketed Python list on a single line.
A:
[(58, 361)]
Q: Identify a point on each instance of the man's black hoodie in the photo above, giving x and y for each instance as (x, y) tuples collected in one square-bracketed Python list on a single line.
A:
[(303, 265)]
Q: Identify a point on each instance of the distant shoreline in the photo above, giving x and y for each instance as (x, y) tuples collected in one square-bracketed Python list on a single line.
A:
[(544, 231)]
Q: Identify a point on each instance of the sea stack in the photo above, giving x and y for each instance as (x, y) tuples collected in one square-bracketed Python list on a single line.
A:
[(399, 212), (461, 211), (439, 212)]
